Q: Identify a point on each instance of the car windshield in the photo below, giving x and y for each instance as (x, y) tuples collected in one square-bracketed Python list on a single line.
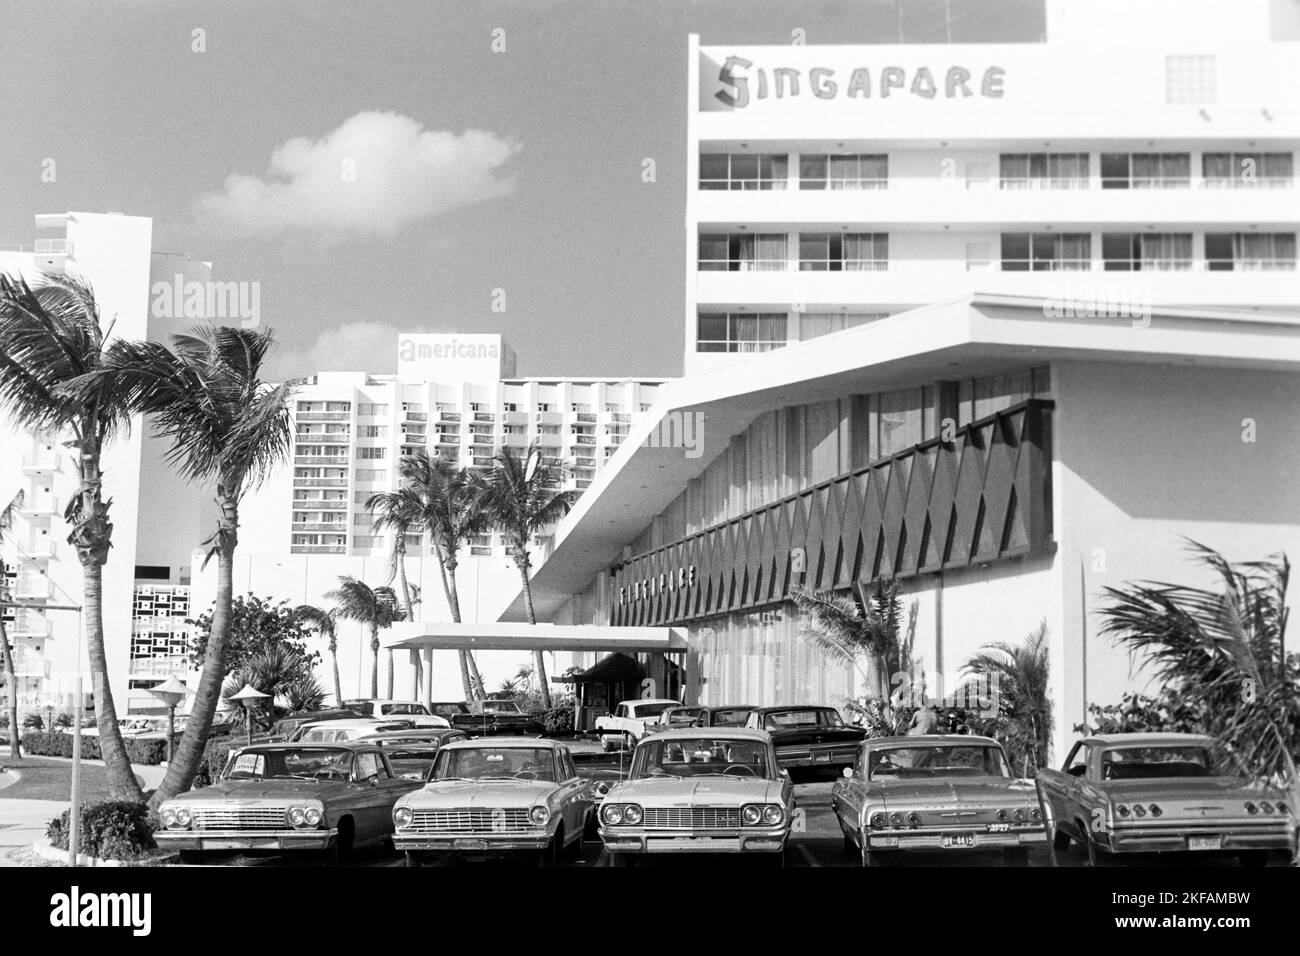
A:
[(301, 763), (924, 762), (500, 707), (1131, 763), (649, 710), (704, 756), (729, 718), (804, 717), (399, 709), (495, 763)]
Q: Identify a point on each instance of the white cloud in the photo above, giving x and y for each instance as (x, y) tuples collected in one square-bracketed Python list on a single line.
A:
[(352, 347), (373, 175)]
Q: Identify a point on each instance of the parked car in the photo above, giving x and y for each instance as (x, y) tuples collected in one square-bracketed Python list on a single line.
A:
[(410, 710), (706, 716), (1143, 793), (339, 731), (603, 771), (699, 790), (490, 717), (412, 752), (934, 792), (632, 720), (286, 798), (506, 796), (808, 736), (284, 727)]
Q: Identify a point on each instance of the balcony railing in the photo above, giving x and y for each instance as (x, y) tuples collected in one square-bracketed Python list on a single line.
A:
[(31, 586), (584, 439), (318, 549), (320, 482), (415, 439), (728, 345), (338, 527), (587, 417), (44, 548), (29, 623), (319, 504), (415, 416), (323, 416), (40, 505), (320, 460), (449, 416), (484, 417), (41, 462)]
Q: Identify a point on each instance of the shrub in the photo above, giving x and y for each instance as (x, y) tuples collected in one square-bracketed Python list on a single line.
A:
[(63, 720), (1171, 712), (214, 758), (113, 830), (558, 721), (33, 722), (59, 744)]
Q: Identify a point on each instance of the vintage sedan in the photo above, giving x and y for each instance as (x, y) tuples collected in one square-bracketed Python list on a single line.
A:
[(412, 752), (341, 731), (935, 792), (287, 797), (411, 711), (808, 736), (699, 790), (1134, 793), (503, 796)]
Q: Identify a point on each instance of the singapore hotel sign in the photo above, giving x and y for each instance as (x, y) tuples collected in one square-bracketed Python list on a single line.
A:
[(741, 83)]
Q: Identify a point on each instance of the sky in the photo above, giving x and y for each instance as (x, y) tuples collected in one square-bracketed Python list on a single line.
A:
[(387, 165)]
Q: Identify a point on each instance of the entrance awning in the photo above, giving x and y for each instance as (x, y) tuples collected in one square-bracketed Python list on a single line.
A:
[(497, 636), (615, 669)]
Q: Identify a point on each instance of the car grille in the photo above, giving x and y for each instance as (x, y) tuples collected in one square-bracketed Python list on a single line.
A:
[(474, 820), (691, 818), (240, 818)]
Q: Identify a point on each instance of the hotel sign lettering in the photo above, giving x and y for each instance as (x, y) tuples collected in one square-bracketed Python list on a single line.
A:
[(744, 83), (657, 584)]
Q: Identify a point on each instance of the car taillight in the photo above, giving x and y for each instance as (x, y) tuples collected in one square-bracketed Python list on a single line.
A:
[(895, 819), (1002, 815), (1139, 810), (878, 821), (1266, 806), (1251, 808), (914, 819), (1019, 815), (1123, 810), (1035, 814), (1155, 810)]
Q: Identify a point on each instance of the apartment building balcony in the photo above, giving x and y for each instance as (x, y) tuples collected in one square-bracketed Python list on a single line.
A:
[(515, 418), (321, 459), (448, 438), (911, 282), (29, 624), (586, 417), (41, 462), (332, 441), (413, 439), (320, 482), (318, 549), (329, 527), (515, 439), (161, 666), (448, 416), (415, 416), (623, 418), (323, 416), (582, 439), (28, 663), (31, 586), (44, 548), (548, 440), (319, 504), (40, 505), (549, 418), (484, 417), (989, 203), (481, 461)]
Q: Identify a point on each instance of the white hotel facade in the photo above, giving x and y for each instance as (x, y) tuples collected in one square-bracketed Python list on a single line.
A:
[(1001, 323)]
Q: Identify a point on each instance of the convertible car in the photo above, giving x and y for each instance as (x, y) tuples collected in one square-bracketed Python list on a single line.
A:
[(940, 792), (808, 736), (287, 797), (1132, 793), (498, 796), (699, 790)]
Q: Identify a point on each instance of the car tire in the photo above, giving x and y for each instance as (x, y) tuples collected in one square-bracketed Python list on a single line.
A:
[(554, 851), (1060, 839), (340, 854), (623, 860), (413, 860), (1015, 856), (605, 745), (1253, 858), (878, 858)]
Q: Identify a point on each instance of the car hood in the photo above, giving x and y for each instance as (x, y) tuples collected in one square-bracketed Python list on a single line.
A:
[(697, 791), (237, 790), (480, 793)]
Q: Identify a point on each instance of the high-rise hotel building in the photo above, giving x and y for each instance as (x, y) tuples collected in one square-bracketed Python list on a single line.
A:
[(1001, 324)]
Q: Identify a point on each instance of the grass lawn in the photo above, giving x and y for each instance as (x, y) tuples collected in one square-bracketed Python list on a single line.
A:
[(52, 780)]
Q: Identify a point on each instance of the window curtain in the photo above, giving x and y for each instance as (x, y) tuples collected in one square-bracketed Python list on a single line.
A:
[(776, 170), (1165, 251), (875, 172), (770, 252), (865, 251), (1013, 170), (844, 172), (1277, 169), (1075, 251), (1068, 170), (1216, 169)]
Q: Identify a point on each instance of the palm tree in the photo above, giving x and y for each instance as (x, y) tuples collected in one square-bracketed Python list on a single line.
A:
[(1018, 674), (401, 512), (227, 428), (326, 624), (1223, 649), (278, 671), (51, 335), (11, 677), (452, 515), (851, 633), (520, 499), (374, 607)]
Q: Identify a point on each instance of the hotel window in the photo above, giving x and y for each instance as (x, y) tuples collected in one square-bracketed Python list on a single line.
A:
[(1190, 80), (371, 410), (374, 431), (1046, 252), (365, 541), (338, 406), (371, 454), (815, 324), (372, 474), (843, 251), (1146, 251), (1043, 171), (742, 252), (1246, 170), (361, 497), (1250, 251), (512, 406), (743, 171), (740, 332), (543, 406), (844, 171), (1145, 170)]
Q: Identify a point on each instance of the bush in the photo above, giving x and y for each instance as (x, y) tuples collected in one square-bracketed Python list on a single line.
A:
[(33, 722), (1171, 712), (63, 720), (214, 759), (59, 744), (113, 830), (558, 721)]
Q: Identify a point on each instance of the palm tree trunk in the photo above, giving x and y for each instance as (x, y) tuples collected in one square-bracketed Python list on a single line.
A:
[(388, 652), (338, 684), (539, 664), (471, 682), (11, 681), (399, 552), (475, 678), (374, 660), (194, 741)]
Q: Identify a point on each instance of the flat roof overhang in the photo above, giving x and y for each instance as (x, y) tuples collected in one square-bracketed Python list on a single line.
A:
[(437, 636), (971, 336)]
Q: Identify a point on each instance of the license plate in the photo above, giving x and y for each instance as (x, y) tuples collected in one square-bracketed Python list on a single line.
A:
[(241, 844), (949, 840), (821, 758), (1205, 843), (470, 844)]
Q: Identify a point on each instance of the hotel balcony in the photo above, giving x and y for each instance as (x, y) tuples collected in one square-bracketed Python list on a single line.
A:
[(318, 549), (515, 418), (330, 527), (914, 282), (43, 549), (323, 416), (448, 438), (449, 416), (548, 441), (586, 417), (29, 623), (410, 439), (320, 482), (39, 463), (319, 504), (415, 416), (992, 204), (31, 586), (28, 663), (549, 418), (321, 459), (515, 439), (41, 505)]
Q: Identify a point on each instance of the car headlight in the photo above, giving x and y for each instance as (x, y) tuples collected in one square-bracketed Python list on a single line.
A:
[(183, 817), (539, 816), (402, 816), (878, 821), (751, 815), (632, 814), (773, 814), (297, 815), (168, 816), (611, 814)]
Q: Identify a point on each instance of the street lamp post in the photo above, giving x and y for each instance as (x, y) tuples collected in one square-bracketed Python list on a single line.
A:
[(248, 698), (171, 692)]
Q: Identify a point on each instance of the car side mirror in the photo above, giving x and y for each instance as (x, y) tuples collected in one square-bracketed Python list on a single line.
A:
[(847, 772)]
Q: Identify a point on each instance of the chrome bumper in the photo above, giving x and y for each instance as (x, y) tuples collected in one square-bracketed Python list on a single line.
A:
[(1231, 838), (830, 757), (471, 842), (633, 840), (245, 839), (984, 840)]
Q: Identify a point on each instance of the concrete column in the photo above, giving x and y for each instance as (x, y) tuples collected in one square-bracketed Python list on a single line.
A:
[(428, 676)]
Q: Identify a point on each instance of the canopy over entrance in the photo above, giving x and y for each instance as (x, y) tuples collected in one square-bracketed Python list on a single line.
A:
[(496, 636), (614, 669)]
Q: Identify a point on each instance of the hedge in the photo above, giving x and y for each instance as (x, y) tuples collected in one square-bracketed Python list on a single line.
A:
[(58, 744), (214, 759), (113, 830)]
